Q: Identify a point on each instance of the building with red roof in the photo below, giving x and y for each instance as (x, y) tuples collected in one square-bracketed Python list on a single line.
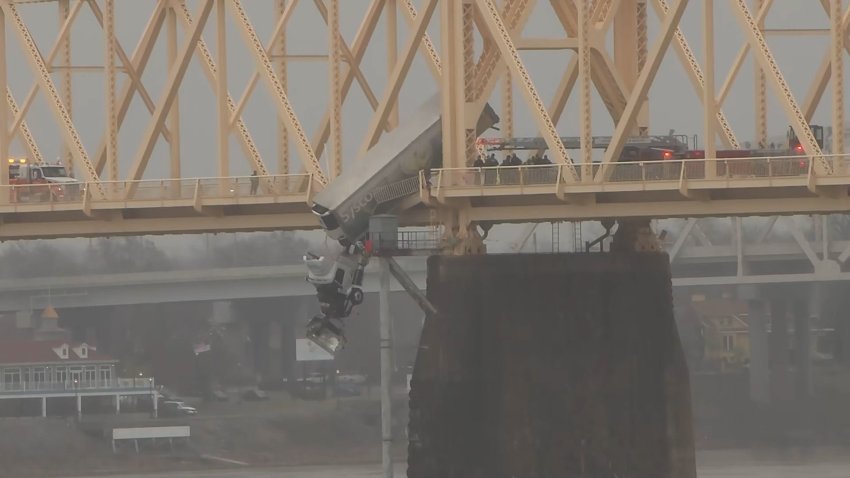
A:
[(50, 364), (43, 369)]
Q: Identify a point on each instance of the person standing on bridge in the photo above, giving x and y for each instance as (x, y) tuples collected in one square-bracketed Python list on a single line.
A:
[(490, 162), (531, 175), (478, 164), (255, 183), (548, 175), (505, 174)]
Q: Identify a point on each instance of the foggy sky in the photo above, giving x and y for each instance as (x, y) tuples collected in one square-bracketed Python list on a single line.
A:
[(673, 102)]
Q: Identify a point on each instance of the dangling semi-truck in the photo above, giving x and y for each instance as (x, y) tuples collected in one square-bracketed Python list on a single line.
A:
[(376, 184), (387, 173)]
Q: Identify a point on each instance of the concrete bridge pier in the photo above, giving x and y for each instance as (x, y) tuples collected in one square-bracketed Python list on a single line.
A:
[(759, 351), (551, 365), (272, 326), (780, 365), (803, 319), (779, 351), (274, 366)]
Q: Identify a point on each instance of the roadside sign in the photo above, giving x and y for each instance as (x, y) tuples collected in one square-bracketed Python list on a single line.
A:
[(306, 351)]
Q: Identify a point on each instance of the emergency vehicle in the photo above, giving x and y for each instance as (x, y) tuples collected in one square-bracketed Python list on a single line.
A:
[(653, 149), (40, 182), (794, 164)]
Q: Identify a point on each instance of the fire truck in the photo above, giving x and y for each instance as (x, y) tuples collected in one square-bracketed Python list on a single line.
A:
[(794, 142), (638, 148), (788, 159), (651, 149), (40, 182), (676, 146)]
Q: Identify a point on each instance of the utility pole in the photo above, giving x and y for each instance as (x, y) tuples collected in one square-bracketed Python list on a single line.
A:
[(386, 333)]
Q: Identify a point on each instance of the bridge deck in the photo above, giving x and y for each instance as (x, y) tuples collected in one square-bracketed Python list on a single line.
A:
[(662, 189), (678, 188)]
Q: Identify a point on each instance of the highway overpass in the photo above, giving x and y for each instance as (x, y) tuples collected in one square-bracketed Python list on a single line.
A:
[(693, 266)]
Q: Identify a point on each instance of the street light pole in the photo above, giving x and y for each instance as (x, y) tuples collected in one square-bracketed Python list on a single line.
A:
[(386, 334), (79, 400), (153, 398)]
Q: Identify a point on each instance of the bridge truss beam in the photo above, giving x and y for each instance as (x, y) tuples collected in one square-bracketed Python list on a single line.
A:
[(483, 43)]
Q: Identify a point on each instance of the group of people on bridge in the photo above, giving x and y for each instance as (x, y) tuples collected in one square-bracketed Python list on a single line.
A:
[(511, 159), (512, 176)]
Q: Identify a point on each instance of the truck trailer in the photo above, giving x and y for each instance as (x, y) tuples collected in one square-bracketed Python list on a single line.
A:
[(382, 178)]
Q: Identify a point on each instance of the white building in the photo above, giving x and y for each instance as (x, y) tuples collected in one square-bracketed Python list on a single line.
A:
[(43, 369)]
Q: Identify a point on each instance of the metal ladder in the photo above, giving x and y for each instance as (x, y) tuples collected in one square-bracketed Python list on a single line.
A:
[(556, 237), (578, 244), (396, 190)]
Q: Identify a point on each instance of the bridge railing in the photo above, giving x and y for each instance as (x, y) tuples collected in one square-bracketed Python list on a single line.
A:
[(495, 176), (672, 171), (159, 189), (707, 169)]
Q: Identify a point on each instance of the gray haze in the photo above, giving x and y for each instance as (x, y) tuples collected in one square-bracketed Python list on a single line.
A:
[(673, 102)]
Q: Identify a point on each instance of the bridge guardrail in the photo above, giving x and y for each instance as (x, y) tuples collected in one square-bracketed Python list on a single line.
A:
[(674, 170), (159, 189)]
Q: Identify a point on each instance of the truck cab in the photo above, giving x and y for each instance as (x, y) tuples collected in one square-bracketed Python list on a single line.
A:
[(41, 182), (794, 144), (338, 280)]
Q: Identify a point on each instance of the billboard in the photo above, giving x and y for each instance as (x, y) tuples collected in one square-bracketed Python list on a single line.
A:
[(306, 351), (150, 432)]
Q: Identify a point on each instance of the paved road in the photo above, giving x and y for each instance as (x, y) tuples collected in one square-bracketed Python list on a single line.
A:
[(834, 469), (305, 472), (816, 470)]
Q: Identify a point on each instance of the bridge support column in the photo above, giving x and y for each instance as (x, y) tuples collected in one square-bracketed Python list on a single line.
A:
[(117, 404), (43, 406), (779, 351), (759, 358), (484, 400), (301, 310), (635, 235), (275, 344), (803, 352), (838, 304)]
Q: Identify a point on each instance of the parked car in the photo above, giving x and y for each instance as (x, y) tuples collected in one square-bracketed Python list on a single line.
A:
[(176, 409), (219, 396), (351, 378), (309, 390), (254, 394), (347, 390)]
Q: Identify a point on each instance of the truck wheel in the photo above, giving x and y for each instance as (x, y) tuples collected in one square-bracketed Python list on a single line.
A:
[(357, 297)]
